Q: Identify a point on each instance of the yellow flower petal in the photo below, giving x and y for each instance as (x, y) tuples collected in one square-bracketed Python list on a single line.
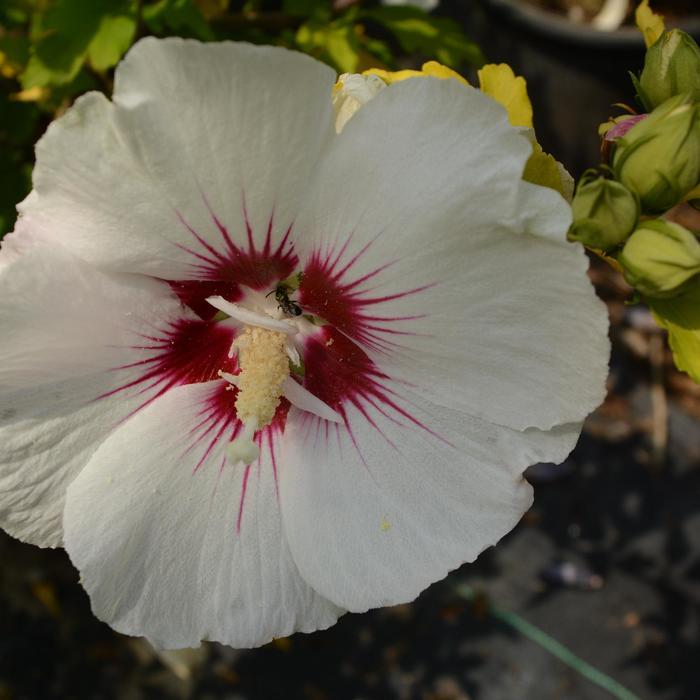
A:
[(499, 81), (396, 76), (437, 70), (431, 69), (649, 23)]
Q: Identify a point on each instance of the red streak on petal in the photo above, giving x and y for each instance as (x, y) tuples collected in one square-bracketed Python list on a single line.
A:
[(330, 292), (339, 373), (241, 503), (185, 352), (273, 458), (222, 267), (218, 423)]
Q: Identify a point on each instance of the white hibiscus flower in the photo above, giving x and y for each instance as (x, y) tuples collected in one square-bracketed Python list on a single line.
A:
[(444, 336)]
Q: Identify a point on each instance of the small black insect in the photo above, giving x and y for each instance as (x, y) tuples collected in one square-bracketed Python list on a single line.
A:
[(288, 306)]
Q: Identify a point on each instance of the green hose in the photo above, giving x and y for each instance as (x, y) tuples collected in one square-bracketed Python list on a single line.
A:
[(554, 647)]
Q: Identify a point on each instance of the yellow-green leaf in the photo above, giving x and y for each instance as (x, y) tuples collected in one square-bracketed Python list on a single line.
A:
[(112, 39), (71, 31), (680, 316), (418, 32), (542, 169), (649, 23), (509, 90)]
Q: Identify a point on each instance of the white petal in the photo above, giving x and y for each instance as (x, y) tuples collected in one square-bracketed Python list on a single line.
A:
[(377, 511), (300, 397), (250, 318), (15, 243), (154, 524), (200, 137), (66, 329), (461, 271)]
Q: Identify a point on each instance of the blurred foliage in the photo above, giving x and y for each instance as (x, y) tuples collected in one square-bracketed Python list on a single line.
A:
[(51, 51)]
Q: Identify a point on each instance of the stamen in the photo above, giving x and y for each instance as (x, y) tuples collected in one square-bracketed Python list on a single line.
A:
[(230, 378), (251, 318), (262, 358), (302, 398)]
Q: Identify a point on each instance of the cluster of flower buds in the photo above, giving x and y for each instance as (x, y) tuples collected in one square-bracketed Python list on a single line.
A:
[(654, 165)]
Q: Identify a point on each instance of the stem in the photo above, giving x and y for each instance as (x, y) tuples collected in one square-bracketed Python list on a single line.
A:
[(555, 648)]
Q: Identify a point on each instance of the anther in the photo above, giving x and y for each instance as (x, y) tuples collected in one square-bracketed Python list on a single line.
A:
[(262, 359)]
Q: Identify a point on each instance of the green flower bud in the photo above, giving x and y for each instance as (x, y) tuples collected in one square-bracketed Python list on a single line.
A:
[(659, 158), (671, 67), (605, 213), (660, 257)]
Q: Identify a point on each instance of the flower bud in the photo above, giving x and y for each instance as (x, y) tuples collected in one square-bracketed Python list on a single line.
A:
[(659, 158), (605, 213), (671, 67), (660, 257)]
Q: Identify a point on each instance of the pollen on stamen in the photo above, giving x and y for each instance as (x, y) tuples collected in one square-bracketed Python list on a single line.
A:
[(264, 365)]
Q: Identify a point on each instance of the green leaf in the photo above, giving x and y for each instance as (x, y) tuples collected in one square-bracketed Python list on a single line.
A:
[(60, 94), (336, 43), (14, 50), (639, 93), (71, 31), (680, 316), (379, 49), (435, 37), (114, 36), (343, 49), (181, 17), (15, 12)]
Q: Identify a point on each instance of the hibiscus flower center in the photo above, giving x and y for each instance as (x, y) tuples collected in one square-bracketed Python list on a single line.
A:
[(264, 351)]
